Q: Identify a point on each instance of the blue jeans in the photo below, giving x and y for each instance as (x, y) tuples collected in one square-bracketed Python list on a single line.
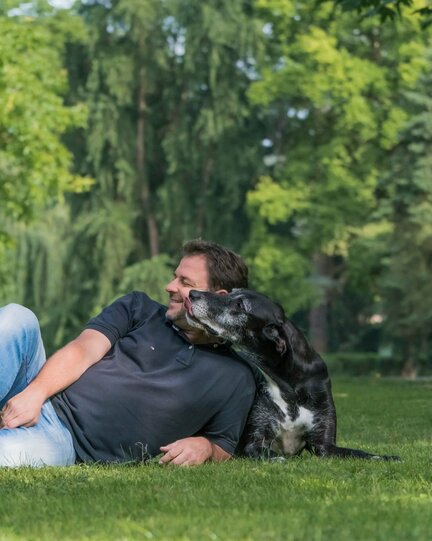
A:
[(22, 355)]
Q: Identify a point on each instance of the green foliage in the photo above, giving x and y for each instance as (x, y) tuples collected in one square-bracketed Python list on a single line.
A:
[(211, 137), (35, 270), (334, 88), (277, 268), (150, 276), (35, 165), (296, 132), (192, 126), (387, 10), (101, 244), (355, 364), (356, 301), (408, 189), (169, 141), (276, 203), (381, 7)]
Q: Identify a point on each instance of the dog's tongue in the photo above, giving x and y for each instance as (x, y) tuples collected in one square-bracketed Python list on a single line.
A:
[(188, 306)]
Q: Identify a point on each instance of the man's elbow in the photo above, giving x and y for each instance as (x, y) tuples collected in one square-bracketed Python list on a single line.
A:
[(219, 454)]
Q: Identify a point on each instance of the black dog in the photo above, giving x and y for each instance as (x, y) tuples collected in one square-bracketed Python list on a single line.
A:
[(294, 409)]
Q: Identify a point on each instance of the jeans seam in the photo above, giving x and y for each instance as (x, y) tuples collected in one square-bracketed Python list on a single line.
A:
[(27, 369)]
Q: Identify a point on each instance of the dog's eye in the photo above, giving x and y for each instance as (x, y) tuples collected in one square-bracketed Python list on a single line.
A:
[(240, 304)]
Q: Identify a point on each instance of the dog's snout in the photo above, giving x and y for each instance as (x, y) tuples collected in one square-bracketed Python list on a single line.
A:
[(195, 295)]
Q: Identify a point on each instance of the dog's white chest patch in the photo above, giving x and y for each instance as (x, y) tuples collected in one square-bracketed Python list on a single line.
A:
[(290, 438)]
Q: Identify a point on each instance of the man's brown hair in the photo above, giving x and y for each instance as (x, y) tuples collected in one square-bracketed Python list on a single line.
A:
[(226, 269)]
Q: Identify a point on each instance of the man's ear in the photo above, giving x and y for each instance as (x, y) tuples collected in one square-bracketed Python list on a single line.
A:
[(275, 333), (221, 292)]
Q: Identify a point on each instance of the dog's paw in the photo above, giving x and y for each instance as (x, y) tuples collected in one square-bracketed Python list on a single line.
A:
[(278, 459)]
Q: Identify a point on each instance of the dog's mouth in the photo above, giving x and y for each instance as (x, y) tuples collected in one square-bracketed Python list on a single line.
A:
[(188, 306), (196, 321)]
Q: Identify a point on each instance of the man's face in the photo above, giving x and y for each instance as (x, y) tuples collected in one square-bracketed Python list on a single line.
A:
[(191, 273)]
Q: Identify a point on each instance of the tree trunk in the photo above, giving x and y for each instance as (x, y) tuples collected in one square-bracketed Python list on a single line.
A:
[(205, 187), (146, 199), (409, 370), (318, 315), (318, 327)]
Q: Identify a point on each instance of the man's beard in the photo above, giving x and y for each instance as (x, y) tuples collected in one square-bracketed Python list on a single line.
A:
[(179, 320)]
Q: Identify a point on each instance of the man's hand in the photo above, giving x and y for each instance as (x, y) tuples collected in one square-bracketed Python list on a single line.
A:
[(61, 370), (192, 451), (22, 410)]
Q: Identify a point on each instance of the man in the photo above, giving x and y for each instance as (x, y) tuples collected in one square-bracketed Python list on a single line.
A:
[(136, 382)]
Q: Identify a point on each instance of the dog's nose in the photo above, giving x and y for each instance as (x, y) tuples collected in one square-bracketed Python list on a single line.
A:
[(195, 295)]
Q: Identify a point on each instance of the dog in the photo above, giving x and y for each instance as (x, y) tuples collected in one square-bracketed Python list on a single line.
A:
[(294, 408)]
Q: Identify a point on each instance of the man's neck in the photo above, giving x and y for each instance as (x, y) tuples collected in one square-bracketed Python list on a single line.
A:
[(196, 336), (193, 334)]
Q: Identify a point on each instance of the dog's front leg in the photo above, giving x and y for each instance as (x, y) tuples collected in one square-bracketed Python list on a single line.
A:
[(262, 451)]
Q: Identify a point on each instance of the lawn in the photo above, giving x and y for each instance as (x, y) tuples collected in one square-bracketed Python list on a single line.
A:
[(303, 499)]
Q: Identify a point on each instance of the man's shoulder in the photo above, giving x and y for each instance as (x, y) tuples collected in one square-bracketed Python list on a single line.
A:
[(230, 363), (126, 313), (140, 297), (248, 365), (142, 305)]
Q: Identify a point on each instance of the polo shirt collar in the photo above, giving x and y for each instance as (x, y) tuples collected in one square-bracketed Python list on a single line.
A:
[(214, 345)]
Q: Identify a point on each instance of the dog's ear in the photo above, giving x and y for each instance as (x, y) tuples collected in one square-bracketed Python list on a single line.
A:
[(275, 333), (297, 340)]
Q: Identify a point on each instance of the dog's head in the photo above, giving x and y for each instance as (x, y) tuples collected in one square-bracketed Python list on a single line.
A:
[(243, 317)]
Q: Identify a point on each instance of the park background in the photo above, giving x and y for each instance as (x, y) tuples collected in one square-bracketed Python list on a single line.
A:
[(298, 133)]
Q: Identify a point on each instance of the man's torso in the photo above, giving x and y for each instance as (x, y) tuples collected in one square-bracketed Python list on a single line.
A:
[(152, 388)]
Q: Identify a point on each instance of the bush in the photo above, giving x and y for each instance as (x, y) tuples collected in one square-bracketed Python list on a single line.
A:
[(354, 363)]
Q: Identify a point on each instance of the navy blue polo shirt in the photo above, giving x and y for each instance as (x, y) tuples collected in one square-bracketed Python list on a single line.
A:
[(152, 388)]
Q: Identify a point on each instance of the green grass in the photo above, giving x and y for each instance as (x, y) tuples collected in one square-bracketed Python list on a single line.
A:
[(304, 499)]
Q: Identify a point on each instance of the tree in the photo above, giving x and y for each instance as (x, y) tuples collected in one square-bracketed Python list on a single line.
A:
[(35, 165), (171, 135), (332, 88), (387, 9), (170, 141), (172, 78), (406, 193)]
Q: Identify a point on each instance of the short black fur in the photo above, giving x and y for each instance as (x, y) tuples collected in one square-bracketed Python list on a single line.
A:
[(294, 408)]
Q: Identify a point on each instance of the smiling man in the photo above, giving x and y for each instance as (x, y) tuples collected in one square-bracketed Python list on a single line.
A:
[(192, 273), (137, 382)]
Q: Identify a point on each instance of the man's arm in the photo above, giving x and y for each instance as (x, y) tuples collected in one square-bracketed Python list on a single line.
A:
[(227, 425), (192, 451), (61, 370)]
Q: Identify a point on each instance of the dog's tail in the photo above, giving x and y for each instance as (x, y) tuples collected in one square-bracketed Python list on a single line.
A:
[(332, 451)]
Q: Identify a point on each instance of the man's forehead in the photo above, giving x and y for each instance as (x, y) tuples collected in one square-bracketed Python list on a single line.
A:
[(193, 266)]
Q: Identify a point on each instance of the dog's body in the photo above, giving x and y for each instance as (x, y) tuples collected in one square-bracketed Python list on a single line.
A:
[(294, 409)]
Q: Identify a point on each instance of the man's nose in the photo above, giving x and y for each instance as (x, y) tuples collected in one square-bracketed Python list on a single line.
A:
[(171, 286)]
